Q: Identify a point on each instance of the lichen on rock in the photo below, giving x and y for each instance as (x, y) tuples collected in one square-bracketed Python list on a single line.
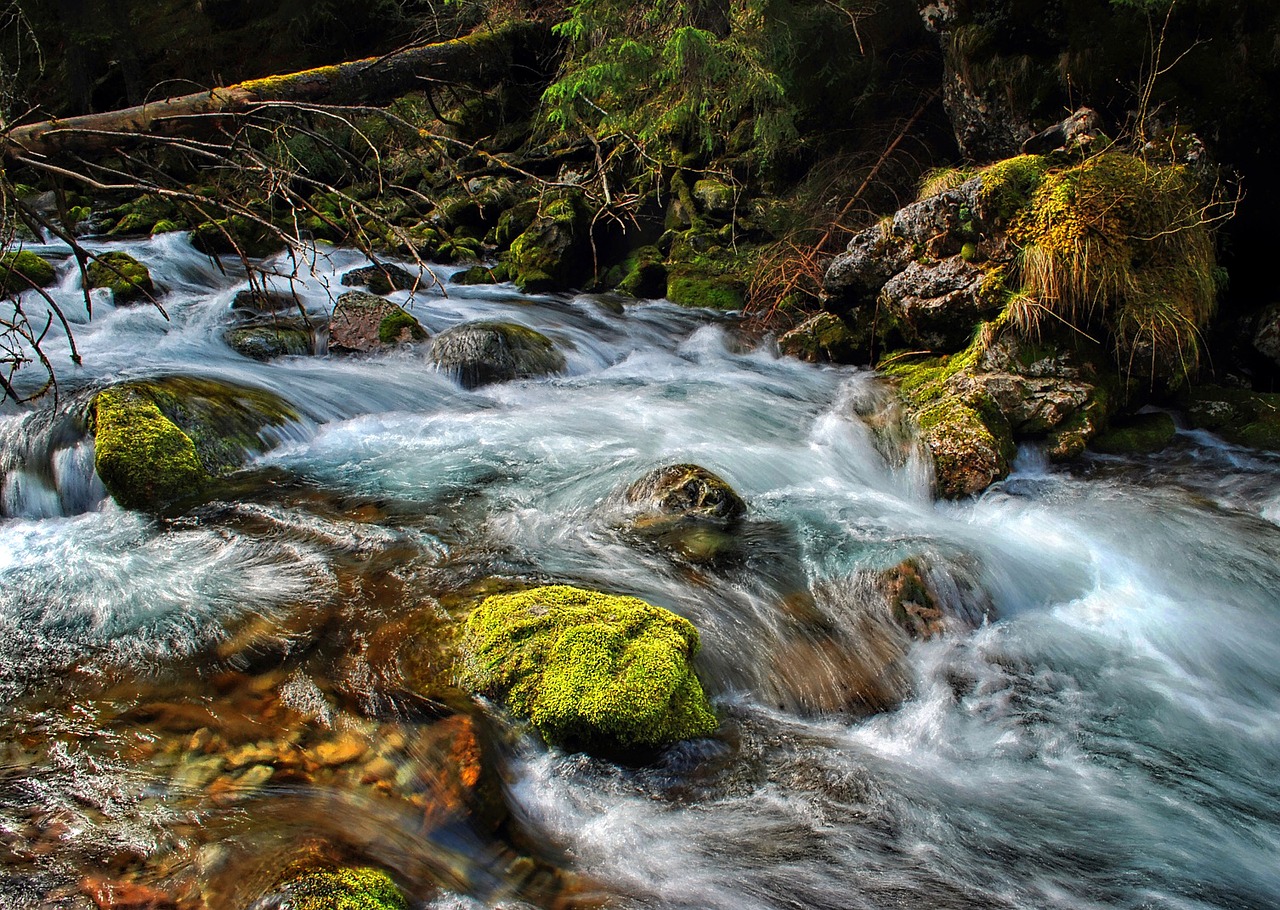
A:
[(363, 322), (587, 669)]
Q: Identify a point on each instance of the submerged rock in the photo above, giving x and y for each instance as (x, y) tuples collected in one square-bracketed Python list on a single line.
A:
[(479, 353), (21, 269), (364, 322), (271, 340), (588, 670), (127, 278), (685, 509), (161, 441)]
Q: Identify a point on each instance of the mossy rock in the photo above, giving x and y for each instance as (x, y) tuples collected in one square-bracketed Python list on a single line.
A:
[(643, 274), (1141, 435), (266, 342), (479, 353), (588, 670), (383, 278), (714, 197), (712, 292), (20, 269), (161, 441), (356, 888), (144, 215), (127, 278), (824, 338), (364, 322), (144, 459), (552, 253), (258, 301), (476, 274), (234, 236)]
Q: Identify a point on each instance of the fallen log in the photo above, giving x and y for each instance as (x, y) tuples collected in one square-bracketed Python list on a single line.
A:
[(479, 60)]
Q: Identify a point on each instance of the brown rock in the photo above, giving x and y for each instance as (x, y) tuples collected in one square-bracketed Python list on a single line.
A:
[(341, 751), (121, 895)]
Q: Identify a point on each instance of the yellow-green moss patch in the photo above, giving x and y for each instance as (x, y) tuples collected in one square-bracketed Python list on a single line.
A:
[(127, 278), (361, 888), (143, 458), (587, 669), (20, 269)]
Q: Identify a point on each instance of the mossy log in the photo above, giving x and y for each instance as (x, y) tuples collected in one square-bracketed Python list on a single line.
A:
[(478, 60)]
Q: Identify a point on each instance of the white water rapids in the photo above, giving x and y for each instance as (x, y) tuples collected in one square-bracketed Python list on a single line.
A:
[(1109, 737)]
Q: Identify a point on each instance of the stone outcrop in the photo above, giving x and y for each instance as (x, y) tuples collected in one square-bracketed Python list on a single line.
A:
[(479, 353)]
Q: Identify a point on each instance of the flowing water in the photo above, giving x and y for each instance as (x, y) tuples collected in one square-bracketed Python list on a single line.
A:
[(191, 704)]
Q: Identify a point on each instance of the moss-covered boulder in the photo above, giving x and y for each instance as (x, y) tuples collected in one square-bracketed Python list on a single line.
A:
[(127, 278), (588, 670), (479, 353), (164, 441), (824, 338), (364, 322), (1141, 434), (383, 278), (21, 269), (552, 254), (357, 888), (689, 287), (643, 274)]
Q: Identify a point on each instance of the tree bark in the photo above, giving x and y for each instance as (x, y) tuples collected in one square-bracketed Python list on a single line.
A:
[(479, 60)]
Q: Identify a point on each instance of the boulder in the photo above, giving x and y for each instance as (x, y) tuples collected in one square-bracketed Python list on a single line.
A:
[(159, 442), (682, 492), (236, 236), (364, 322), (22, 269), (266, 341), (258, 302), (1142, 434), (1238, 415), (127, 278), (1266, 336), (938, 305), (382, 278), (552, 253), (479, 353), (825, 338), (588, 670)]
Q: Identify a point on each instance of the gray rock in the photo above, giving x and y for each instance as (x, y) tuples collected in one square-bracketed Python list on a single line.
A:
[(479, 353), (1266, 337), (937, 304)]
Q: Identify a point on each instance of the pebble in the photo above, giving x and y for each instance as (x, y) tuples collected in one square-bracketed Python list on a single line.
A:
[(339, 751)]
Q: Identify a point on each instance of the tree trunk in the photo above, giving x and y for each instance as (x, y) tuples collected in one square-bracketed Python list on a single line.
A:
[(478, 60)]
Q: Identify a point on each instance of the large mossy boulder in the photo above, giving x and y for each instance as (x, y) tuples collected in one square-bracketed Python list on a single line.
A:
[(588, 670), (1238, 415), (236, 236), (479, 353), (552, 254), (270, 340), (354, 888), (22, 269), (1142, 434), (127, 278), (165, 441), (364, 322)]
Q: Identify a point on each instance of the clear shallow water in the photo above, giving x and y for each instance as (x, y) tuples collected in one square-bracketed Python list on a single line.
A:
[(1106, 737)]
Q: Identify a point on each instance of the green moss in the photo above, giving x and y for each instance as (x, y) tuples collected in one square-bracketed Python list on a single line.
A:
[(393, 325), (588, 669), (1008, 185), (1238, 415), (144, 459), (644, 275), (20, 269), (361, 888), (1141, 435), (127, 278)]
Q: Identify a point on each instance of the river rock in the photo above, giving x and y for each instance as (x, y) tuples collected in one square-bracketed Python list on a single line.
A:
[(22, 269), (159, 441), (382, 278), (588, 670), (479, 353), (1142, 434), (825, 338), (127, 278), (117, 894), (260, 302), (364, 322), (552, 253), (682, 492), (267, 341)]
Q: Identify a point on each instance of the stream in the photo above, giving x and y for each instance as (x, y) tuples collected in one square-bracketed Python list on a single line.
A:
[(192, 704)]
